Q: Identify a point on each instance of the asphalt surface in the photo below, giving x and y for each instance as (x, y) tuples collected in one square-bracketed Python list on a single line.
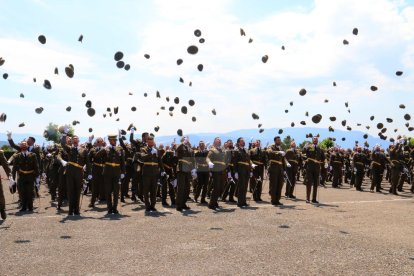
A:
[(349, 233)]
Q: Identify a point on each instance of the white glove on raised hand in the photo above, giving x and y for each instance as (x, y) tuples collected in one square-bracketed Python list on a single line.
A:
[(282, 153), (210, 165), (236, 175), (132, 130), (122, 176), (9, 135), (288, 165), (89, 177), (154, 151), (64, 163)]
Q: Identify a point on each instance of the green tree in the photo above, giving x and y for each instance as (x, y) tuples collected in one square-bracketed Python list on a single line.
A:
[(52, 133), (301, 145), (326, 143), (286, 142), (7, 148)]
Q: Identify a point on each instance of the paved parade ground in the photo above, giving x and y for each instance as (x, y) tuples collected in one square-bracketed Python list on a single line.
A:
[(349, 233)]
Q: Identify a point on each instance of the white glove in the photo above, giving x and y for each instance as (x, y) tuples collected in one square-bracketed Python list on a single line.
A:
[(326, 166), (282, 153), (355, 170), (44, 175), (37, 182), (122, 176), (65, 129), (49, 155), (132, 129), (194, 173), (9, 134), (63, 162), (84, 168), (236, 175), (11, 182), (229, 175), (251, 175), (154, 151), (89, 177), (84, 187), (163, 174), (119, 133), (210, 165), (402, 141), (174, 183), (259, 179), (288, 165), (254, 166), (159, 183), (330, 168), (90, 139)]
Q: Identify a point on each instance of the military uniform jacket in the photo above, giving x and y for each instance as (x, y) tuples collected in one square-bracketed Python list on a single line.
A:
[(258, 156), (360, 159), (185, 158), (77, 157), (4, 164), (26, 166), (114, 159), (152, 162), (219, 158), (336, 159), (397, 157), (201, 160), (275, 158), (378, 160), (97, 161), (169, 162), (315, 157), (293, 156), (241, 160)]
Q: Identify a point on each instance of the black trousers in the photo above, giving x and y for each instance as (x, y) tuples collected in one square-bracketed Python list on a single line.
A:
[(150, 190), (97, 183), (291, 173), (26, 192), (112, 190), (276, 184), (242, 183), (203, 178), (183, 189), (218, 181), (74, 177), (312, 175)]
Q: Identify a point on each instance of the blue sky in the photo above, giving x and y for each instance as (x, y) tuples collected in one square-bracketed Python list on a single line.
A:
[(234, 81)]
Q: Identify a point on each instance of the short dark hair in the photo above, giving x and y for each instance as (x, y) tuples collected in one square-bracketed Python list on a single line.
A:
[(34, 140), (277, 137), (144, 134), (238, 139)]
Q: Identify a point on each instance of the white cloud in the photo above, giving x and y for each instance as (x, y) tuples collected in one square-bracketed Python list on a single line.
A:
[(234, 80)]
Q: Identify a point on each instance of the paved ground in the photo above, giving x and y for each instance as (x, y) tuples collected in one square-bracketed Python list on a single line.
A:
[(350, 233)]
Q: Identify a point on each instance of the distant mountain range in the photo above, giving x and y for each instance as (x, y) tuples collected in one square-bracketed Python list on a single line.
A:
[(298, 134)]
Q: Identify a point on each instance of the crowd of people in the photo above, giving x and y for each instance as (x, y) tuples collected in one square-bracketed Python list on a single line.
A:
[(139, 170)]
